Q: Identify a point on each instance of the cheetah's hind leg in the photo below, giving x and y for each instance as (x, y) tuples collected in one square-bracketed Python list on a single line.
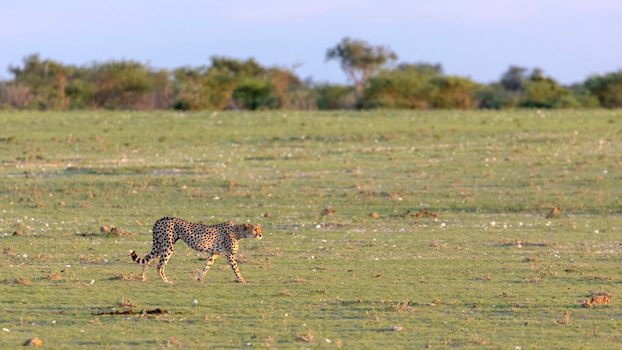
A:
[(144, 262), (162, 264), (143, 273)]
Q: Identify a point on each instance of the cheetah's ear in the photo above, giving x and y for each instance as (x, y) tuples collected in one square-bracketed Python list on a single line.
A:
[(246, 226)]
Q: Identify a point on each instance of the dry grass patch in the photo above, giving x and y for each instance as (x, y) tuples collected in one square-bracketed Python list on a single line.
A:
[(521, 243), (305, 337), (123, 277), (107, 231), (403, 307), (564, 320), (114, 232), (21, 280), (126, 303), (478, 340)]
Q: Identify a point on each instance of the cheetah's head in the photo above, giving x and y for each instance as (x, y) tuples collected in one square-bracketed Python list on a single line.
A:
[(251, 231)]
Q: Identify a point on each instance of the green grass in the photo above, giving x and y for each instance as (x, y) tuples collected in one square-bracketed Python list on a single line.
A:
[(490, 271)]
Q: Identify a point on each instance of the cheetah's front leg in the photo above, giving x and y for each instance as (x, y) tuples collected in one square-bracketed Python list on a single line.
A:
[(208, 264), (234, 267)]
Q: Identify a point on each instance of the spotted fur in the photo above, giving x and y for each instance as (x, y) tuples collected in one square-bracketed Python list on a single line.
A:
[(213, 239)]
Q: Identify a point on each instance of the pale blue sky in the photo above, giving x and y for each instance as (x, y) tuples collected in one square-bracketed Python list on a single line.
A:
[(569, 39)]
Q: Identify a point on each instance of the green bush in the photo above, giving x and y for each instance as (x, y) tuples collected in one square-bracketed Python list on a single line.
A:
[(454, 93), (495, 96), (606, 88), (335, 97), (543, 92), (418, 86), (408, 86), (253, 94)]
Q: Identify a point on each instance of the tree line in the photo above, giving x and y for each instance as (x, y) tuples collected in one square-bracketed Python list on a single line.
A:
[(377, 81)]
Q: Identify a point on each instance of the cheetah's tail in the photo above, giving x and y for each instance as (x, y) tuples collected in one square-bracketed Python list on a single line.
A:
[(138, 260)]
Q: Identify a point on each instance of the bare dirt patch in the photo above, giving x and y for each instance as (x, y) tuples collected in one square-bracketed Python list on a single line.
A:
[(520, 243), (156, 311)]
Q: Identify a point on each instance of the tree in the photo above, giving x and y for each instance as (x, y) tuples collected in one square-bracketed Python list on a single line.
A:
[(525, 88), (45, 81), (284, 83), (513, 79), (125, 85), (359, 60), (540, 91), (226, 75), (607, 89), (213, 86), (195, 90)]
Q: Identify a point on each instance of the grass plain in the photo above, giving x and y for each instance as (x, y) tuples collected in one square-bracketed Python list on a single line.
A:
[(485, 269)]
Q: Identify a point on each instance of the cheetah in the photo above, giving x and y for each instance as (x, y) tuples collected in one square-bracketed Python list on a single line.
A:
[(213, 239)]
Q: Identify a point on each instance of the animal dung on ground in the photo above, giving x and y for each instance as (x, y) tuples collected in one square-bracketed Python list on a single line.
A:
[(374, 215)]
